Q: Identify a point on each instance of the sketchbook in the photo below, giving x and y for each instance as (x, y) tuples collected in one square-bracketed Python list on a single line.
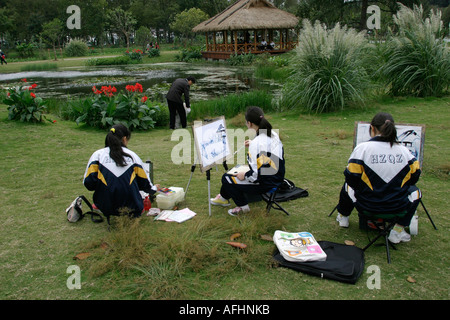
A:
[(176, 215), (239, 168)]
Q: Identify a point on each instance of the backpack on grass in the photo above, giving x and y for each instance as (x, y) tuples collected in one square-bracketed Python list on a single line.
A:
[(344, 263), (288, 191), (75, 211)]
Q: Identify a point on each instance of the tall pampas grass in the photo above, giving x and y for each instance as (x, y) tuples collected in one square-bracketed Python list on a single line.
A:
[(417, 60), (327, 70)]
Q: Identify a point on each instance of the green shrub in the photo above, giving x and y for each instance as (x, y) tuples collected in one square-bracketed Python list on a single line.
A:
[(26, 50), (190, 54), (105, 108), (76, 48), (108, 61), (327, 70), (24, 105), (417, 61), (154, 53), (241, 59)]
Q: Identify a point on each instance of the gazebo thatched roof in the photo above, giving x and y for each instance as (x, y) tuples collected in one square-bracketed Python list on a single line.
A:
[(249, 15)]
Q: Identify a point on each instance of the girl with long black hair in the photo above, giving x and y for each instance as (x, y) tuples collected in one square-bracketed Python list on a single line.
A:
[(116, 175)]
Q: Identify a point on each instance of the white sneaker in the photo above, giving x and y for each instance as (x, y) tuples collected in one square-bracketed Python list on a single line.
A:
[(219, 201), (397, 237), (343, 220), (237, 211)]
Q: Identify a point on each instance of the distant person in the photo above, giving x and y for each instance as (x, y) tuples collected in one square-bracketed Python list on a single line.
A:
[(266, 166), (3, 57), (263, 45), (116, 175), (271, 46), (380, 178), (179, 88)]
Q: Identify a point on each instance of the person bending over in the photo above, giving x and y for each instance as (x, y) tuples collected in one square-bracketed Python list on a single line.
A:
[(116, 175), (179, 88), (380, 177), (265, 161)]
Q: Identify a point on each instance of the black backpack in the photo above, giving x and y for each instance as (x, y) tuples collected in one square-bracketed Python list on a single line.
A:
[(288, 191), (344, 263)]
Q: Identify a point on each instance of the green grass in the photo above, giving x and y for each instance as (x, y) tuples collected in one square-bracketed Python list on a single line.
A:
[(42, 170)]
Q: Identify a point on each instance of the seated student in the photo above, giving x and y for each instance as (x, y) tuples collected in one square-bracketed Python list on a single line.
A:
[(263, 45), (116, 175), (381, 177), (271, 46), (266, 165)]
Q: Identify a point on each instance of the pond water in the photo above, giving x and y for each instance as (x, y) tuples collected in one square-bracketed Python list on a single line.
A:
[(213, 80)]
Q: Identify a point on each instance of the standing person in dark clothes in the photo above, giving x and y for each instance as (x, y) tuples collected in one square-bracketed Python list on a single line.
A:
[(3, 57), (179, 87)]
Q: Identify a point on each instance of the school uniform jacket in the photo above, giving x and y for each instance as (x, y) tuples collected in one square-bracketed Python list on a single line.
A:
[(116, 187), (266, 161), (381, 175)]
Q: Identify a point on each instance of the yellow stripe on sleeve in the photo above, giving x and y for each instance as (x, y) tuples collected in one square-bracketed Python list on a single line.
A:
[(359, 169), (412, 169)]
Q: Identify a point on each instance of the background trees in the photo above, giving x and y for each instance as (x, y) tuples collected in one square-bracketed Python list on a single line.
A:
[(23, 21)]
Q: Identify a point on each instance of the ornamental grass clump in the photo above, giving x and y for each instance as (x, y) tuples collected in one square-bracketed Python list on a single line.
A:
[(327, 70), (417, 60)]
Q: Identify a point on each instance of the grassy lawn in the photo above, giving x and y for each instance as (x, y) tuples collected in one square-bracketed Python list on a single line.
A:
[(42, 171), (167, 54)]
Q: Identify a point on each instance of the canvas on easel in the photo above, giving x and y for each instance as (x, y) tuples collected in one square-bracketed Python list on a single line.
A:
[(212, 148), (412, 136), (211, 143)]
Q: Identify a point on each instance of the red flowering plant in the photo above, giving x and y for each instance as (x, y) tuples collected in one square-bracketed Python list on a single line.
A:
[(135, 55), (107, 107), (24, 105)]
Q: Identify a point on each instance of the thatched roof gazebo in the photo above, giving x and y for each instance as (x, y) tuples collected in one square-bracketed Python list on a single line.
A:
[(248, 26)]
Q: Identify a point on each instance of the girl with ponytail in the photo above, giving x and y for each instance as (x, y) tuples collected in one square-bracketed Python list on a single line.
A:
[(116, 175), (266, 165), (380, 178)]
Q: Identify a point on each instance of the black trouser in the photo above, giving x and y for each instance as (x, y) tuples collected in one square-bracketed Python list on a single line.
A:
[(235, 189), (347, 202), (175, 107)]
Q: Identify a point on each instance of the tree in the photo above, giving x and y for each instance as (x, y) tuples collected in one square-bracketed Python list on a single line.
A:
[(121, 21), (51, 32), (186, 20)]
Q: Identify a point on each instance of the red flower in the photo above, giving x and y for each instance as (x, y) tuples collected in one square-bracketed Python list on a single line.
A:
[(33, 86), (144, 99), (54, 121), (23, 80), (138, 87), (32, 95)]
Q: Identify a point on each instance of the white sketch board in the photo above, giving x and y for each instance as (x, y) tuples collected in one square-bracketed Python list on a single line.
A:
[(412, 136), (211, 143)]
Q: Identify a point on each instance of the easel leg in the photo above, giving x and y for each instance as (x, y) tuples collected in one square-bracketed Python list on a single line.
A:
[(429, 217), (208, 177), (189, 182)]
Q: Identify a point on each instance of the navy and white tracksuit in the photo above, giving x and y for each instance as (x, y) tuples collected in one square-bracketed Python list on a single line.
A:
[(381, 179), (117, 187), (267, 168)]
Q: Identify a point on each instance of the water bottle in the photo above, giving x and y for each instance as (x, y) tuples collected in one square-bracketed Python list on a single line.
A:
[(147, 204), (414, 225)]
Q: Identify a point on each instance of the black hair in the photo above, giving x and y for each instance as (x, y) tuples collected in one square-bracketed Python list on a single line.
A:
[(384, 123), (256, 115), (190, 78), (114, 142)]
